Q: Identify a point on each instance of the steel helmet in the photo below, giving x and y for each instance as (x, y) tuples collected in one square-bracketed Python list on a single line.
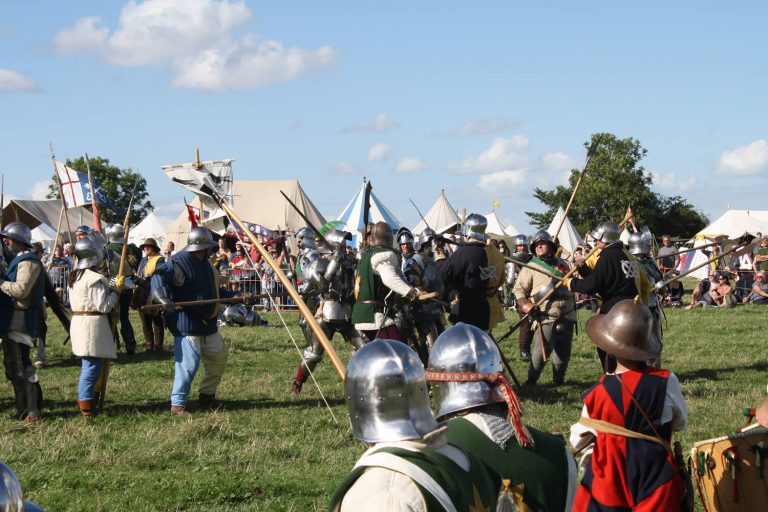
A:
[(386, 393), (424, 238), (474, 227), (626, 331), (89, 253), (520, 240), (83, 229), (639, 243), (305, 233), (11, 495), (235, 314), (608, 232), (116, 233), (305, 238), (404, 236), (542, 237), (337, 237), (199, 239), (19, 232), (464, 348)]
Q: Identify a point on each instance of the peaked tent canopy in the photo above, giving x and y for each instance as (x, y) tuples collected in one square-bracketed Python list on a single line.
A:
[(258, 202), (494, 226), (569, 237), (442, 217), (352, 214), (734, 223), (512, 230), (34, 213), (150, 227)]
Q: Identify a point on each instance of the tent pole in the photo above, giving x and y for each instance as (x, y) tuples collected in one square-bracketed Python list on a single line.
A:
[(56, 240)]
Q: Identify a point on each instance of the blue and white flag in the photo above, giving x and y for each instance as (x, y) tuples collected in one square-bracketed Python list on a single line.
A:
[(77, 190)]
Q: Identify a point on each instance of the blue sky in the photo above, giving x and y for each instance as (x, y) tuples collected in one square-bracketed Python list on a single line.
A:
[(483, 99)]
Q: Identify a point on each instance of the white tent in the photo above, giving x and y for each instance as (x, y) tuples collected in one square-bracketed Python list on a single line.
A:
[(45, 235), (511, 230), (733, 224), (441, 217), (568, 236), (149, 227), (47, 212), (258, 202), (352, 214), (494, 227)]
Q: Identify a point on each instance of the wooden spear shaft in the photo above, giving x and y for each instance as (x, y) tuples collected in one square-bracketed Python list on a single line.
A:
[(308, 315), (61, 193), (590, 153)]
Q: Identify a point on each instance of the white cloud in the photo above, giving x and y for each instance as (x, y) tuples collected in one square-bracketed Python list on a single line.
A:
[(381, 123), (484, 126), (501, 182), (14, 81), (379, 152), (749, 160), (40, 190), (504, 154), (672, 182), (558, 162), (248, 63), (348, 169), (410, 164), (85, 35), (196, 39)]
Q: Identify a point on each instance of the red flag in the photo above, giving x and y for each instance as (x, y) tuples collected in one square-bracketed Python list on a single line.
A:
[(194, 219), (96, 218)]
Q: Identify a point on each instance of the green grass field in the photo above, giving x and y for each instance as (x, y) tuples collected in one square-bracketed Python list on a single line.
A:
[(270, 451)]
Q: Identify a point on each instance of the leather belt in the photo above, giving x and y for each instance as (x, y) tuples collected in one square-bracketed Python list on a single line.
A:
[(87, 313)]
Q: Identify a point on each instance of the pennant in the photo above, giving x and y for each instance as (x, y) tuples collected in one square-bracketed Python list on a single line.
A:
[(193, 217), (77, 190), (496, 203)]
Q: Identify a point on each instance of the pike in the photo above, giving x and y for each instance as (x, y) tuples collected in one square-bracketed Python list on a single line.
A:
[(101, 385), (744, 243), (209, 189), (154, 308), (366, 213), (590, 153), (533, 267), (61, 193), (441, 237), (309, 222)]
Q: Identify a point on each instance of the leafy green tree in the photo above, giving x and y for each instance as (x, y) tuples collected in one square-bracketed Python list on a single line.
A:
[(118, 185), (614, 179)]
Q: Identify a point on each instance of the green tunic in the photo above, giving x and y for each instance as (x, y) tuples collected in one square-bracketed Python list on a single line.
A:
[(476, 488), (542, 471), (368, 287)]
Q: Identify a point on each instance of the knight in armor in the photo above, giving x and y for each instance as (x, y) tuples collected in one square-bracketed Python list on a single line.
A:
[(640, 247), (553, 320), (22, 289), (415, 316), (616, 275), (189, 275), (627, 420), (426, 246), (92, 298), (409, 464), (116, 235), (330, 277), (151, 323), (475, 271), (485, 418), (81, 232), (305, 240), (379, 287), (524, 333)]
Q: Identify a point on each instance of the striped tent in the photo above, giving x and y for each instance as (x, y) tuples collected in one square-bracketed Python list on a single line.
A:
[(352, 214)]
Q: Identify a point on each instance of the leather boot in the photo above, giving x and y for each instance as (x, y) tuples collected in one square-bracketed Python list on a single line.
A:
[(87, 408), (179, 410)]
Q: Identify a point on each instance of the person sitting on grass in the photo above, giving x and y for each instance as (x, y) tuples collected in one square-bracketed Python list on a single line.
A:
[(759, 293), (626, 424), (720, 295), (675, 292)]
